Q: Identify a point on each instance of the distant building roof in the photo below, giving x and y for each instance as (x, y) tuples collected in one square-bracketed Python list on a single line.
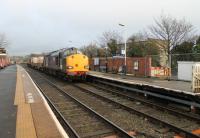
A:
[(36, 55)]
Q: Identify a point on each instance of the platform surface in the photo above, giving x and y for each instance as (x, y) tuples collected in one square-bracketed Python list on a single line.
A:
[(7, 108), (179, 86), (24, 112), (33, 117)]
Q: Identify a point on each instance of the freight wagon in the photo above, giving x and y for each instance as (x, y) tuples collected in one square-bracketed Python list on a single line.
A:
[(36, 61)]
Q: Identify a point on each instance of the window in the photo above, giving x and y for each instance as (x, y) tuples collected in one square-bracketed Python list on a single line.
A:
[(136, 65), (71, 51)]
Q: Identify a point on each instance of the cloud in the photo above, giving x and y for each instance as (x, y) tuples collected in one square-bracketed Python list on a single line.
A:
[(44, 25)]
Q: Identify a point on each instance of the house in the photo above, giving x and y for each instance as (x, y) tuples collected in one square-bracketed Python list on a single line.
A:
[(155, 48)]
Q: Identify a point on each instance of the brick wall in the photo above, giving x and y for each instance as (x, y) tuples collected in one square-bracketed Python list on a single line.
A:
[(138, 66)]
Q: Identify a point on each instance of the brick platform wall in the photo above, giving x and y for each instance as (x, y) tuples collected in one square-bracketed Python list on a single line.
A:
[(138, 66)]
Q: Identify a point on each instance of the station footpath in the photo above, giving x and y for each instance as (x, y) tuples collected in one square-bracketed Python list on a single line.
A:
[(177, 86), (7, 108), (34, 117)]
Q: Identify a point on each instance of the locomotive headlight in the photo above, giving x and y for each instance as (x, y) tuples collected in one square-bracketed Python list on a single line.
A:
[(69, 67), (86, 67)]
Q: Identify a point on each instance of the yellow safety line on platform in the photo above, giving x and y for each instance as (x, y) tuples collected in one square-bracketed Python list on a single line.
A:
[(24, 125)]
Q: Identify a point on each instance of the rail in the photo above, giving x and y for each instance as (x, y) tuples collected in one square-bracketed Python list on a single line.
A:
[(174, 128), (190, 101), (114, 126), (68, 128), (193, 117)]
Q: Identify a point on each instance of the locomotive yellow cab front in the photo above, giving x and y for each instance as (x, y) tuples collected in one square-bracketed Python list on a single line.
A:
[(77, 64)]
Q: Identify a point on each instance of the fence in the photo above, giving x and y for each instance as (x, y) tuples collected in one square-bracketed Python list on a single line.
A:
[(162, 61), (196, 78)]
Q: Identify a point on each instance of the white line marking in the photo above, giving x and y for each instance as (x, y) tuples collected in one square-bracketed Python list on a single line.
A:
[(30, 98)]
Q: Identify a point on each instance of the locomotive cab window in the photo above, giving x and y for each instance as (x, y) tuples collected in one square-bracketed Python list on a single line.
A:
[(72, 51)]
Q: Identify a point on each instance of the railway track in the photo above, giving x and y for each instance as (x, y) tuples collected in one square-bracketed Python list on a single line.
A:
[(79, 120), (186, 101), (171, 121), (145, 102), (128, 114)]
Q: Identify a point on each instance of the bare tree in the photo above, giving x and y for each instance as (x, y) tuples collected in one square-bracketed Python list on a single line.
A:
[(170, 33), (90, 50), (108, 36), (3, 41), (111, 39)]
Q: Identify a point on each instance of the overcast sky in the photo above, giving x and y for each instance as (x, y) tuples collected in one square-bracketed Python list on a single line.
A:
[(45, 25)]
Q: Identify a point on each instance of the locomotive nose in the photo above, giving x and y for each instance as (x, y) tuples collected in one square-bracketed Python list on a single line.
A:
[(79, 63)]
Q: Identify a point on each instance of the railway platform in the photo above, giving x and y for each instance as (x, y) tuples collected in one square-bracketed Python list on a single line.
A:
[(175, 86), (24, 111), (7, 108), (172, 91)]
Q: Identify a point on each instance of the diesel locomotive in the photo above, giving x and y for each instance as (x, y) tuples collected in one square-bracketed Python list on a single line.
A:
[(69, 63)]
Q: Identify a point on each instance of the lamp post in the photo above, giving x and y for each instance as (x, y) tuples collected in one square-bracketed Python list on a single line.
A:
[(106, 59), (122, 25)]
